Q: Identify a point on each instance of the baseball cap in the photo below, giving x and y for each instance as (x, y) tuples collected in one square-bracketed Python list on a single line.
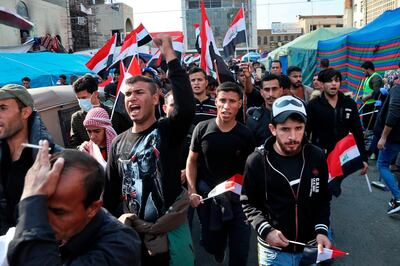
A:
[(15, 91), (285, 106)]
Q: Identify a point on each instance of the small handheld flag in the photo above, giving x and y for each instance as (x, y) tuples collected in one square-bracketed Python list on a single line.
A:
[(233, 184), (345, 158), (312, 256)]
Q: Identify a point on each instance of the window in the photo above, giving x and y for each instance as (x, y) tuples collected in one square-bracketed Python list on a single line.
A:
[(286, 38), (279, 38), (22, 10), (313, 27), (212, 3), (265, 40), (258, 40), (339, 25), (272, 39), (326, 26), (194, 4)]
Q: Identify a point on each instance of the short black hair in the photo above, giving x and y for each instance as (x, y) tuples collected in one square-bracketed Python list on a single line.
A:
[(368, 65), (276, 61), (269, 77), (212, 82), (326, 75), (62, 76), (86, 83), (293, 69), (94, 178), (324, 62), (230, 86), (152, 85), (26, 79), (284, 81), (294, 116), (197, 70)]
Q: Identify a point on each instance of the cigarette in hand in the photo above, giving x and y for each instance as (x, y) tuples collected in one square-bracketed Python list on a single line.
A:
[(33, 146)]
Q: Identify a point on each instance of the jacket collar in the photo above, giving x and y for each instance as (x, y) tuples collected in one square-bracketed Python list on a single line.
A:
[(81, 241)]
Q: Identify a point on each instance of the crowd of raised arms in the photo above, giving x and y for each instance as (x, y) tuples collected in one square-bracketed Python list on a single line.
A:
[(247, 154)]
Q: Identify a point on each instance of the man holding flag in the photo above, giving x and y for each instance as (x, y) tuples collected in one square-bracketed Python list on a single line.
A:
[(331, 117), (285, 189), (217, 155)]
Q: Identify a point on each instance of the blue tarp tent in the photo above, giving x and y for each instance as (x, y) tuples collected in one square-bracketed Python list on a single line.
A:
[(42, 68), (379, 42)]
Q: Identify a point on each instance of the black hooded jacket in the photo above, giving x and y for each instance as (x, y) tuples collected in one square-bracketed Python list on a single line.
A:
[(269, 202)]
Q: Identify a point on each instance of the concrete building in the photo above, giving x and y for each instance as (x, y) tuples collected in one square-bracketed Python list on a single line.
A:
[(358, 13), (48, 16), (93, 24), (310, 23), (267, 41), (220, 13)]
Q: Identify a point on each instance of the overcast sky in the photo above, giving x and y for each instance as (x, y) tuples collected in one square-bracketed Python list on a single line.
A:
[(165, 15)]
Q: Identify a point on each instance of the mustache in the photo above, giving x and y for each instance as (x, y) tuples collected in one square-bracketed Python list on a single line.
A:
[(292, 142)]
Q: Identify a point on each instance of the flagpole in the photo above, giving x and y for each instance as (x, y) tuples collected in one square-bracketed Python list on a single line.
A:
[(245, 33), (368, 183), (369, 113)]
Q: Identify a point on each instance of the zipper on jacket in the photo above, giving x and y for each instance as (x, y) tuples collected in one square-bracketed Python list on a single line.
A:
[(295, 195)]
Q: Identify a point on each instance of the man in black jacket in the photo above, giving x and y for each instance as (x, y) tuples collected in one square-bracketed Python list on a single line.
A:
[(143, 167), (331, 117), (61, 220), (258, 118), (19, 123), (285, 190), (388, 123)]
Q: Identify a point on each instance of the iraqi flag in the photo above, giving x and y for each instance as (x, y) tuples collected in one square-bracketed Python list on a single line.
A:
[(233, 184), (211, 60), (345, 158), (132, 70), (104, 56), (142, 35), (158, 60), (236, 34), (198, 41), (128, 49), (311, 255)]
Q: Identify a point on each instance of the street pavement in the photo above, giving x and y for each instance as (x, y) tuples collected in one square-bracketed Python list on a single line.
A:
[(360, 225)]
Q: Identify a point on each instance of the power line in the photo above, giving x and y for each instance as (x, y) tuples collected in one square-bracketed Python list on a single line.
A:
[(219, 8)]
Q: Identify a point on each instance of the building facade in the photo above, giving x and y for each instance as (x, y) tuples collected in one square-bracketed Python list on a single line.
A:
[(48, 17), (267, 41), (220, 13), (93, 24), (358, 13), (311, 23)]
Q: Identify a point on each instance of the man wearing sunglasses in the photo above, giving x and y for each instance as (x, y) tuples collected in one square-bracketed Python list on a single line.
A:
[(331, 117), (285, 190)]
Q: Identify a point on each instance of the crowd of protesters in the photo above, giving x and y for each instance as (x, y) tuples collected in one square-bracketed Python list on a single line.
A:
[(126, 189)]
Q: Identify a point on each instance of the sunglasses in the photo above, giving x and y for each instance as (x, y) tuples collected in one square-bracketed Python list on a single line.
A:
[(287, 102)]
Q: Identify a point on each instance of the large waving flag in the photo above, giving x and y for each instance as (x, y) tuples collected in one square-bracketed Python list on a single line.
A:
[(104, 56), (236, 33), (211, 60), (157, 60), (132, 70), (128, 48), (311, 255), (142, 35), (345, 158), (233, 184)]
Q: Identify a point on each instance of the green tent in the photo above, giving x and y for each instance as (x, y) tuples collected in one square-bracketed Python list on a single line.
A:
[(302, 51)]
